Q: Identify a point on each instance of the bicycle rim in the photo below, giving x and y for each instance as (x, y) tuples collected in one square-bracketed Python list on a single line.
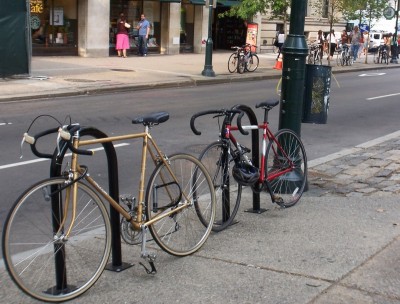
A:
[(41, 263), (185, 231), (228, 192), (232, 63), (287, 187)]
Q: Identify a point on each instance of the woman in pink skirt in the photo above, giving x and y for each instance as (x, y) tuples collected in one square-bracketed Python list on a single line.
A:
[(122, 36)]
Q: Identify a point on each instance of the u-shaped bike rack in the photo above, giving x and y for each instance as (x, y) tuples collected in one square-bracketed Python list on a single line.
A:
[(255, 148), (56, 169)]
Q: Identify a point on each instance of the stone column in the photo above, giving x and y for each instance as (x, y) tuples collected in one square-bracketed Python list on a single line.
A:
[(198, 47), (170, 28), (93, 31)]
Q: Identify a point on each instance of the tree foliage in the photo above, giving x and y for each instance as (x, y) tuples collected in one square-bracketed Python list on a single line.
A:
[(247, 9)]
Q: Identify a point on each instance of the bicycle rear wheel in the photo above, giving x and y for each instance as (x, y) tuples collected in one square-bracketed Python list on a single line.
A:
[(241, 65), (219, 163), (40, 260), (252, 63), (286, 167), (182, 232), (232, 63)]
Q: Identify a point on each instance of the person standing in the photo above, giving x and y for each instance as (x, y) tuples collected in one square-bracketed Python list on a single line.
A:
[(333, 43), (144, 30), (122, 43), (355, 37), (365, 46), (344, 38)]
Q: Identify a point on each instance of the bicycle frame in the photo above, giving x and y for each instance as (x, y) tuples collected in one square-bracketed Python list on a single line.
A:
[(148, 145), (267, 136)]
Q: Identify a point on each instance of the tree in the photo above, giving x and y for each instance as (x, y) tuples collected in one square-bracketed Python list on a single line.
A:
[(365, 11), (332, 9), (247, 9)]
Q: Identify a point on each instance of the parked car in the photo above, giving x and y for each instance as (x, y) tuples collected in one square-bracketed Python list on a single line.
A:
[(375, 40)]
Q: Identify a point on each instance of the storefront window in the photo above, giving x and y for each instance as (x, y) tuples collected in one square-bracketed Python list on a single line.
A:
[(54, 27), (133, 10)]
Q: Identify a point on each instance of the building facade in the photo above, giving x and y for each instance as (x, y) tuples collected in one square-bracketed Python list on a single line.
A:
[(88, 27)]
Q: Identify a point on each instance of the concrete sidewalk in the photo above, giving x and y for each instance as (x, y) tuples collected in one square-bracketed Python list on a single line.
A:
[(69, 76), (340, 244)]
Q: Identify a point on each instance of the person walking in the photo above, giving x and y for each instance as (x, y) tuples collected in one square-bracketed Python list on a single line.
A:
[(355, 37), (333, 43), (365, 46), (144, 30), (122, 43)]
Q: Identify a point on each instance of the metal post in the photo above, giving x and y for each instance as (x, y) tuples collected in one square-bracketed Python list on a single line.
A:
[(55, 170), (208, 68), (294, 53), (394, 46), (255, 153)]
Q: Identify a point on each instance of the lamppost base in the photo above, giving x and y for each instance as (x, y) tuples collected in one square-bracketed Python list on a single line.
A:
[(208, 71)]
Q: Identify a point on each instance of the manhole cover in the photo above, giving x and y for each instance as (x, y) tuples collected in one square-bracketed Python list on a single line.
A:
[(122, 70), (80, 80)]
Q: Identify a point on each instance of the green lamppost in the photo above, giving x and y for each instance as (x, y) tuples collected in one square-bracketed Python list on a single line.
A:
[(294, 52), (395, 47), (208, 68)]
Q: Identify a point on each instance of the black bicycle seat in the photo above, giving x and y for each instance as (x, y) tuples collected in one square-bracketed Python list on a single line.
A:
[(152, 118)]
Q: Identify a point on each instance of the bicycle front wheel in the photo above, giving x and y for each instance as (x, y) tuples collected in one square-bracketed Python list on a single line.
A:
[(253, 62), (181, 200), (286, 167), (40, 259), (219, 163), (232, 63)]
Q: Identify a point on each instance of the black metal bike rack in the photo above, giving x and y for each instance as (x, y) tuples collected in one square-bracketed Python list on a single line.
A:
[(255, 153), (56, 170)]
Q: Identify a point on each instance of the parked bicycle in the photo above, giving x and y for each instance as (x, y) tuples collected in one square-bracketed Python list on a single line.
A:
[(57, 237), (243, 59), (383, 55), (345, 56), (282, 171), (315, 54)]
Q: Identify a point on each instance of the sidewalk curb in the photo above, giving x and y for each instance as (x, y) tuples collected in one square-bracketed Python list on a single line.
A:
[(192, 81)]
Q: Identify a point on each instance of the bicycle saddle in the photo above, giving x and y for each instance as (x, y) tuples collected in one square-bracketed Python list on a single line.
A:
[(269, 104), (152, 118)]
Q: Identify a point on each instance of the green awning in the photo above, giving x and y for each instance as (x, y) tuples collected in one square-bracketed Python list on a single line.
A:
[(228, 2), (198, 2)]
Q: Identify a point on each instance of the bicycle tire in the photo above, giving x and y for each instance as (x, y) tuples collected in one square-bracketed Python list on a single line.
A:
[(338, 59), (252, 63), (343, 59), (232, 63), (184, 232), (289, 187), (241, 65), (212, 157), (32, 254)]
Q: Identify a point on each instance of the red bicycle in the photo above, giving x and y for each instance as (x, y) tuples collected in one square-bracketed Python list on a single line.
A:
[(282, 171)]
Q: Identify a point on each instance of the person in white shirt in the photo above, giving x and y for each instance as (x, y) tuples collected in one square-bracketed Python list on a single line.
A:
[(333, 43)]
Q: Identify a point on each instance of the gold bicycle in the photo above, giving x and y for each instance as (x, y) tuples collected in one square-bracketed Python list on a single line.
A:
[(57, 237)]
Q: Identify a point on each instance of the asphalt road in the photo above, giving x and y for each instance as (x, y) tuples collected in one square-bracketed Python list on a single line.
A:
[(354, 118)]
